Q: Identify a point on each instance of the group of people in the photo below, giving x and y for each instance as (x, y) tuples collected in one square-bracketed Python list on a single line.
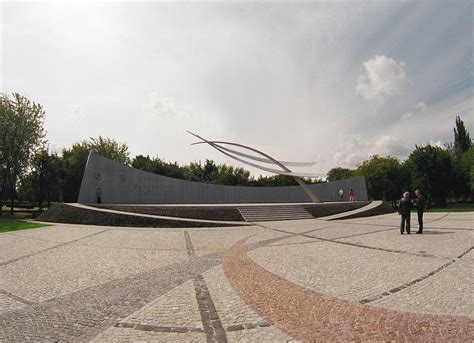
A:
[(404, 209), (351, 195)]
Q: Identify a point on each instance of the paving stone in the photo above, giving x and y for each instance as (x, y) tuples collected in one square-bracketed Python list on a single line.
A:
[(177, 309), (9, 304), (81, 283), (130, 335), (312, 316), (73, 267), (347, 272), (13, 247), (447, 292)]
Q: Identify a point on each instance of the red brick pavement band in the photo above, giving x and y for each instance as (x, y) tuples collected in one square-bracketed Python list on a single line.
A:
[(311, 316)]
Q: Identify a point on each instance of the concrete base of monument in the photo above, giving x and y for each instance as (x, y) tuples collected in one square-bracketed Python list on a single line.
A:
[(175, 216)]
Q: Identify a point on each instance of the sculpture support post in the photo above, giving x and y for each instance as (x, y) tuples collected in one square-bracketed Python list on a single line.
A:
[(308, 190)]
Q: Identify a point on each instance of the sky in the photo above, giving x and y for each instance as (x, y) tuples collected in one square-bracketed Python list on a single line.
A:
[(332, 82)]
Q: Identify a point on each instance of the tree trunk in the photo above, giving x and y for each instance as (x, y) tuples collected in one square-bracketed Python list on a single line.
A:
[(12, 194), (2, 191), (1, 199), (49, 196), (12, 203)]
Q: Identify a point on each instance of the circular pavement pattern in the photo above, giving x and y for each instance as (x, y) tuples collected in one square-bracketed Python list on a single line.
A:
[(307, 280)]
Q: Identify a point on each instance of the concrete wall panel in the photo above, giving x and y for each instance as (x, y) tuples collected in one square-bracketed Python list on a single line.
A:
[(121, 184)]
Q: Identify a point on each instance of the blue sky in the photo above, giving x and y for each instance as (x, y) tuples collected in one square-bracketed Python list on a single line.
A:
[(332, 81)]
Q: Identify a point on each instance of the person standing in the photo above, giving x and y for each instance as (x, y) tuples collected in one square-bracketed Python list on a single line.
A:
[(404, 210), (341, 194), (98, 193), (420, 208), (351, 195)]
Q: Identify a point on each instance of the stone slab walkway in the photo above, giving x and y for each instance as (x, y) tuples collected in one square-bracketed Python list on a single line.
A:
[(307, 280)]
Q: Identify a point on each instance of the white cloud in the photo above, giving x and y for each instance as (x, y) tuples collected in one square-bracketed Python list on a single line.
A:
[(245, 75), (419, 107), (354, 149), (164, 107), (385, 77), (393, 146), (438, 144), (342, 159)]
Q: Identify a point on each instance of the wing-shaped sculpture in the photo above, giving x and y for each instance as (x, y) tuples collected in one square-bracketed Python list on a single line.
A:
[(260, 159), (218, 145)]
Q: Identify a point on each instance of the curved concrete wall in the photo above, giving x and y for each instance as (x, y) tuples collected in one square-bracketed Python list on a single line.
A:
[(121, 184)]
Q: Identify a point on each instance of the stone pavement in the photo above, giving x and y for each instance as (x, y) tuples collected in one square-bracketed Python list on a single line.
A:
[(307, 280)]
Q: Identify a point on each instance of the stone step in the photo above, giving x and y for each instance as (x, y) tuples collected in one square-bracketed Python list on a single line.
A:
[(272, 213)]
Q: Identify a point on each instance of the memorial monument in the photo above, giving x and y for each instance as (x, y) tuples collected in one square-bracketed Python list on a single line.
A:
[(121, 184)]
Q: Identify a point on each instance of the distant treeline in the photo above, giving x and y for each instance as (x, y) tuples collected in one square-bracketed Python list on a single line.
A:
[(57, 177), (441, 173), (31, 173)]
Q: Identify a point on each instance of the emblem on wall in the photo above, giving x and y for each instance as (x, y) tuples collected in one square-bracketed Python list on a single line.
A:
[(97, 177)]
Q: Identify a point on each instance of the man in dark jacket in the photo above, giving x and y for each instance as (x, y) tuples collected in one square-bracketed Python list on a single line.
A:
[(420, 208), (404, 210)]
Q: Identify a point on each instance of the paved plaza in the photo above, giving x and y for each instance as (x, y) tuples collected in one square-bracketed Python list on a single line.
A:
[(302, 280)]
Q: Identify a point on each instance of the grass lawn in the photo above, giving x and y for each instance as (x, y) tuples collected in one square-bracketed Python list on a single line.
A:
[(461, 207), (14, 223)]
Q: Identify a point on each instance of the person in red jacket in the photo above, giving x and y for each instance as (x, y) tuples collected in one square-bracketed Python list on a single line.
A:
[(351, 195)]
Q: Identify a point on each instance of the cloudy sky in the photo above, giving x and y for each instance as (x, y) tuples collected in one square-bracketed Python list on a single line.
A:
[(333, 82)]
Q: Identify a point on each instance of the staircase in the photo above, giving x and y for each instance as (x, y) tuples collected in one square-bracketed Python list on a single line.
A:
[(273, 213)]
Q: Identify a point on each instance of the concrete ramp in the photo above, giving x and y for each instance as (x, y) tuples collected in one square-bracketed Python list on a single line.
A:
[(360, 211)]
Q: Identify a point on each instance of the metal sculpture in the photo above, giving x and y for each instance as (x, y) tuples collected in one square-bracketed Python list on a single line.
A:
[(219, 146)]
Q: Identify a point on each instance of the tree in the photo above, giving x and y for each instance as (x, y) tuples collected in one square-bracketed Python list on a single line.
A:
[(158, 166), (339, 173), (228, 175), (144, 163), (221, 174), (275, 181), (462, 140), (46, 175), (75, 159), (468, 166), (6, 121), (22, 133), (109, 148), (462, 143), (431, 170), (385, 177), (74, 162)]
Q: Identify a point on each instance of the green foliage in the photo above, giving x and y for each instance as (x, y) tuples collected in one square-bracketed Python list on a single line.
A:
[(468, 167), (21, 134), (208, 172), (339, 173), (75, 159), (461, 178), (225, 175), (74, 163), (12, 224), (431, 170), (158, 166), (27, 168), (109, 148), (454, 207), (275, 181), (385, 177), (44, 182), (462, 140)]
